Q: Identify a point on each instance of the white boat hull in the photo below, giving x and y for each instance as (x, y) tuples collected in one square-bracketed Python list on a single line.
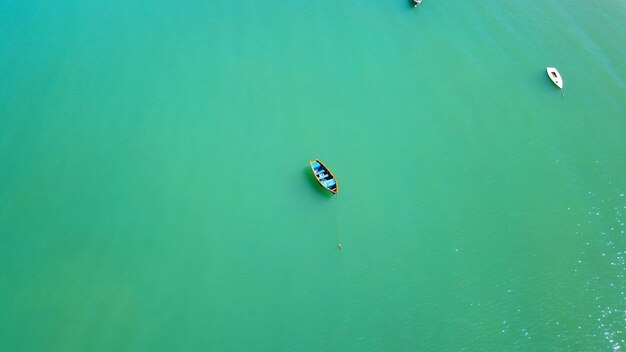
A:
[(555, 76)]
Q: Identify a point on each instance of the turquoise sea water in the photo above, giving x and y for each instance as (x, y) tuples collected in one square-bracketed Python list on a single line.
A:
[(155, 192)]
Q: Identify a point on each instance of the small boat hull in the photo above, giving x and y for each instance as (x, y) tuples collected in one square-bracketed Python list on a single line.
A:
[(324, 176), (555, 76)]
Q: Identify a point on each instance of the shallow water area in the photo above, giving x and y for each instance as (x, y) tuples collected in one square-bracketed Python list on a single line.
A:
[(156, 193)]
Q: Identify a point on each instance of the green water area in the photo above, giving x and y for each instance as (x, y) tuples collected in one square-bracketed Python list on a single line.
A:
[(156, 192)]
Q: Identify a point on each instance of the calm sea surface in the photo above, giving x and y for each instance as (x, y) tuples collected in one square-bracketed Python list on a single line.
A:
[(155, 191)]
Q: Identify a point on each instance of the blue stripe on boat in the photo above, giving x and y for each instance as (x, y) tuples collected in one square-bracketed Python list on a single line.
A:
[(316, 165)]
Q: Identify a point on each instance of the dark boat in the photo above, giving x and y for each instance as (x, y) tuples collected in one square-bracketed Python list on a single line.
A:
[(324, 176), (416, 2)]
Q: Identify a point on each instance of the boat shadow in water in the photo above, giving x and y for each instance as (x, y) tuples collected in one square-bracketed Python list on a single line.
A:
[(542, 78), (315, 184)]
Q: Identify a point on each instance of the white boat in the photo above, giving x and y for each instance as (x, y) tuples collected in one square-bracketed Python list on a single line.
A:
[(555, 76), (416, 2)]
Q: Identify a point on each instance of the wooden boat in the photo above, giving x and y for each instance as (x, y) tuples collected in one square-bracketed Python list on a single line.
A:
[(324, 176), (416, 2), (555, 76)]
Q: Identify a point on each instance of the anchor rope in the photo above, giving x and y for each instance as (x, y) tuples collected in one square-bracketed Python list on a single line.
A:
[(337, 227)]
